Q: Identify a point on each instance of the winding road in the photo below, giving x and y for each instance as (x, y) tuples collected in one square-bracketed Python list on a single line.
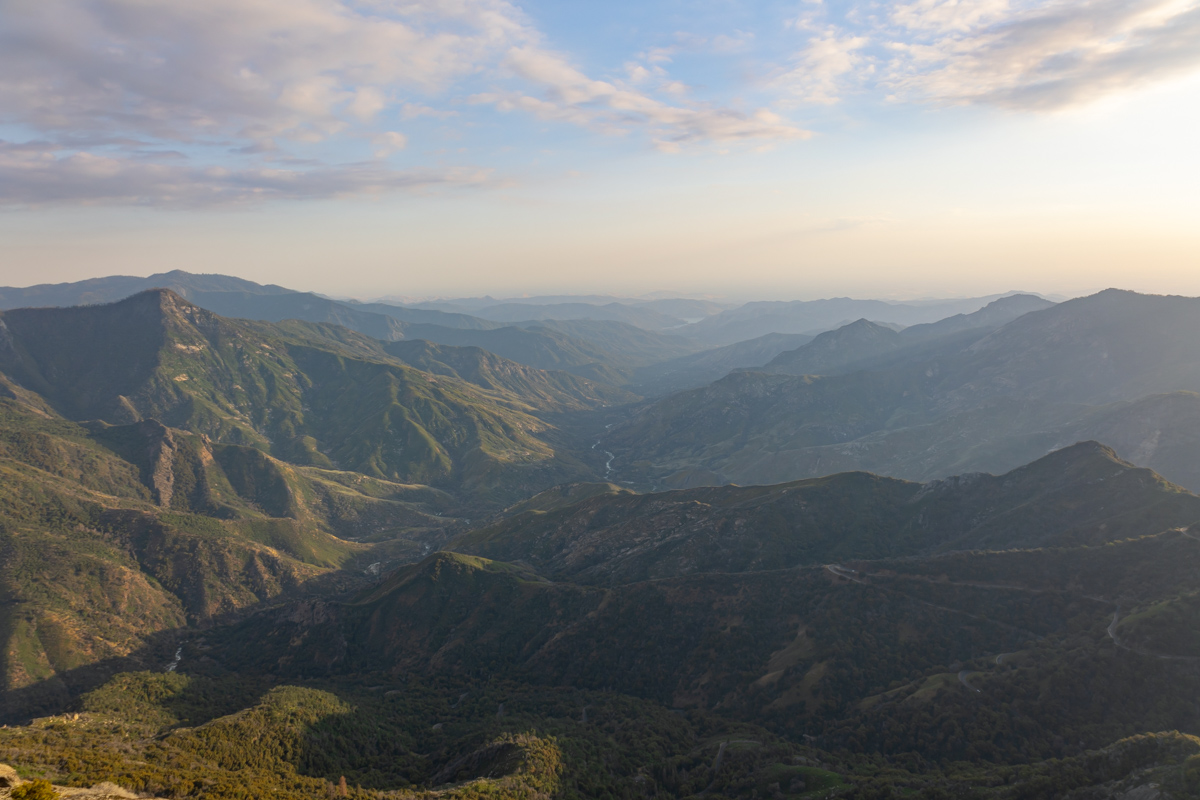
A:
[(1112, 634)]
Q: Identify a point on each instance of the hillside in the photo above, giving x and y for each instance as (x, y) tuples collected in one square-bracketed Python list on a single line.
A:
[(985, 404), (832, 351), (537, 390), (697, 369), (756, 319), (302, 398), (1080, 495), (537, 347), (248, 558), (634, 346), (114, 535), (861, 656), (637, 315), (844, 674), (1111, 346), (232, 297), (117, 287), (605, 346), (865, 345)]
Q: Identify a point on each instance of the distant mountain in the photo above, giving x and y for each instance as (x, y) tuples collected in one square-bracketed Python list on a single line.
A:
[(301, 306), (865, 344), (996, 313), (118, 287), (469, 305), (697, 369), (426, 317), (984, 404), (538, 347), (638, 315), (680, 307), (683, 308), (198, 465), (1069, 497), (831, 351), (237, 557), (634, 346), (861, 344), (310, 397), (1111, 346), (533, 390), (814, 316), (644, 315), (600, 350), (235, 297)]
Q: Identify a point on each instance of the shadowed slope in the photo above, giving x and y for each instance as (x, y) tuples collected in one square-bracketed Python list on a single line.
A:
[(1080, 495), (985, 403)]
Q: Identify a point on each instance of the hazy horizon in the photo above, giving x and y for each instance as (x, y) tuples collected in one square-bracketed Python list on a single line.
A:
[(483, 146), (502, 295)]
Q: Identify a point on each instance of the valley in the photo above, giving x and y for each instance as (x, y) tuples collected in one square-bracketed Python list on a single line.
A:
[(257, 542)]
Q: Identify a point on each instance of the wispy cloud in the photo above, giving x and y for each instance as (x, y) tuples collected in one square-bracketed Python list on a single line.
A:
[(33, 174), (253, 70), (108, 83), (1039, 56), (569, 95), (1032, 55), (819, 71)]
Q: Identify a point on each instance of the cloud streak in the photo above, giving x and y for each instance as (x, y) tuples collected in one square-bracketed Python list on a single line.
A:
[(1042, 56), (1033, 55), (236, 69), (570, 96), (34, 174), (109, 83)]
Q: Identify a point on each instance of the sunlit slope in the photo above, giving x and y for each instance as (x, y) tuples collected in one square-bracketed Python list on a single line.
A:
[(101, 551), (304, 399), (533, 390), (164, 735), (112, 534)]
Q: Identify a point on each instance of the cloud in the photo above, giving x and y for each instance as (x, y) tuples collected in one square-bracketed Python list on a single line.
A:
[(388, 143), (568, 95), (819, 70), (33, 174), (110, 85), (250, 84), (1023, 54), (1040, 56), (236, 69)]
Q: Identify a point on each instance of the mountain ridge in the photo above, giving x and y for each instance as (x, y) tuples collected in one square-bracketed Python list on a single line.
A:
[(990, 402)]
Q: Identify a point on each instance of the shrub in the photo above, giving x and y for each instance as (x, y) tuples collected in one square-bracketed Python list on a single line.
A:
[(35, 790)]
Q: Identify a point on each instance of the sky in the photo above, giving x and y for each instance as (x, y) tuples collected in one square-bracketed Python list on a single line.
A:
[(740, 149)]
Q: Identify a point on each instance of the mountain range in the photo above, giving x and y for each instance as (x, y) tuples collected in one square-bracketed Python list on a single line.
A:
[(756, 319), (984, 400), (257, 542)]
